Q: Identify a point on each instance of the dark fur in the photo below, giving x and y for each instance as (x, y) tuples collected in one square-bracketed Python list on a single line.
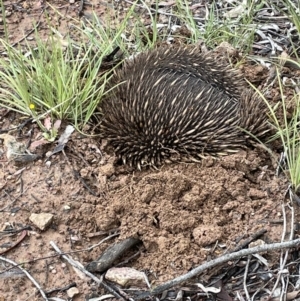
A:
[(177, 100)]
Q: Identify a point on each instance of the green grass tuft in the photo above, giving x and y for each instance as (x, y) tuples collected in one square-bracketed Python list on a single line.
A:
[(58, 79), (52, 80), (287, 129)]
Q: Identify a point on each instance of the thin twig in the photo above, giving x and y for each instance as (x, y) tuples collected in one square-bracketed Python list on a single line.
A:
[(90, 248), (282, 260), (78, 177), (128, 259), (249, 240), (245, 279), (27, 274), (283, 282), (66, 253), (12, 200), (28, 34), (159, 11), (80, 9), (217, 261), (292, 216), (61, 289), (83, 270)]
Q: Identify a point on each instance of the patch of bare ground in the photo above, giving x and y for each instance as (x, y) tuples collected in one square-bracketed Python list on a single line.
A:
[(179, 211)]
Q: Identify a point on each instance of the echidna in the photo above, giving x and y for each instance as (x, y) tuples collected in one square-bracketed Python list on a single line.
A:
[(178, 101)]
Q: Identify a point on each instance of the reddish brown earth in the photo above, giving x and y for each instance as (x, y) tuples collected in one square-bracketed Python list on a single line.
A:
[(179, 211), (185, 214)]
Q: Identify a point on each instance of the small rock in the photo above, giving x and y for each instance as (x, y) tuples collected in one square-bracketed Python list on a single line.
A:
[(71, 292), (41, 220), (67, 208), (84, 172), (256, 243), (8, 13), (126, 277), (75, 238), (48, 154), (48, 163), (36, 234), (108, 169)]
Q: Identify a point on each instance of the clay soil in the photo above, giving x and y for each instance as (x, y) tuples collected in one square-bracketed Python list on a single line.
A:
[(184, 214)]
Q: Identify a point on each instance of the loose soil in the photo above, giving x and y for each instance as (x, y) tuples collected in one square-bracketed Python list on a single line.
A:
[(185, 214), (179, 211)]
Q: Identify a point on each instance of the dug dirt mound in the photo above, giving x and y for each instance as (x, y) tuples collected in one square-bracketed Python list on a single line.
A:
[(180, 211)]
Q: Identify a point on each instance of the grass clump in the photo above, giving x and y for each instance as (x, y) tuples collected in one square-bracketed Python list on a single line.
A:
[(51, 80), (57, 79), (287, 129), (238, 29)]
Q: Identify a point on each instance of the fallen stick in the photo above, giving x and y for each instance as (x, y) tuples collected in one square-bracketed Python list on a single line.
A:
[(27, 274), (83, 270), (228, 257)]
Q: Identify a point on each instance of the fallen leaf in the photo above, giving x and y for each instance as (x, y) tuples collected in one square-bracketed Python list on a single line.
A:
[(35, 144), (48, 123), (22, 236)]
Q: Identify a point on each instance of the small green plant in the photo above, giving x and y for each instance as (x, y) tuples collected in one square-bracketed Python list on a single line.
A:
[(57, 79), (238, 30), (131, 35), (51, 80), (186, 17), (287, 128)]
